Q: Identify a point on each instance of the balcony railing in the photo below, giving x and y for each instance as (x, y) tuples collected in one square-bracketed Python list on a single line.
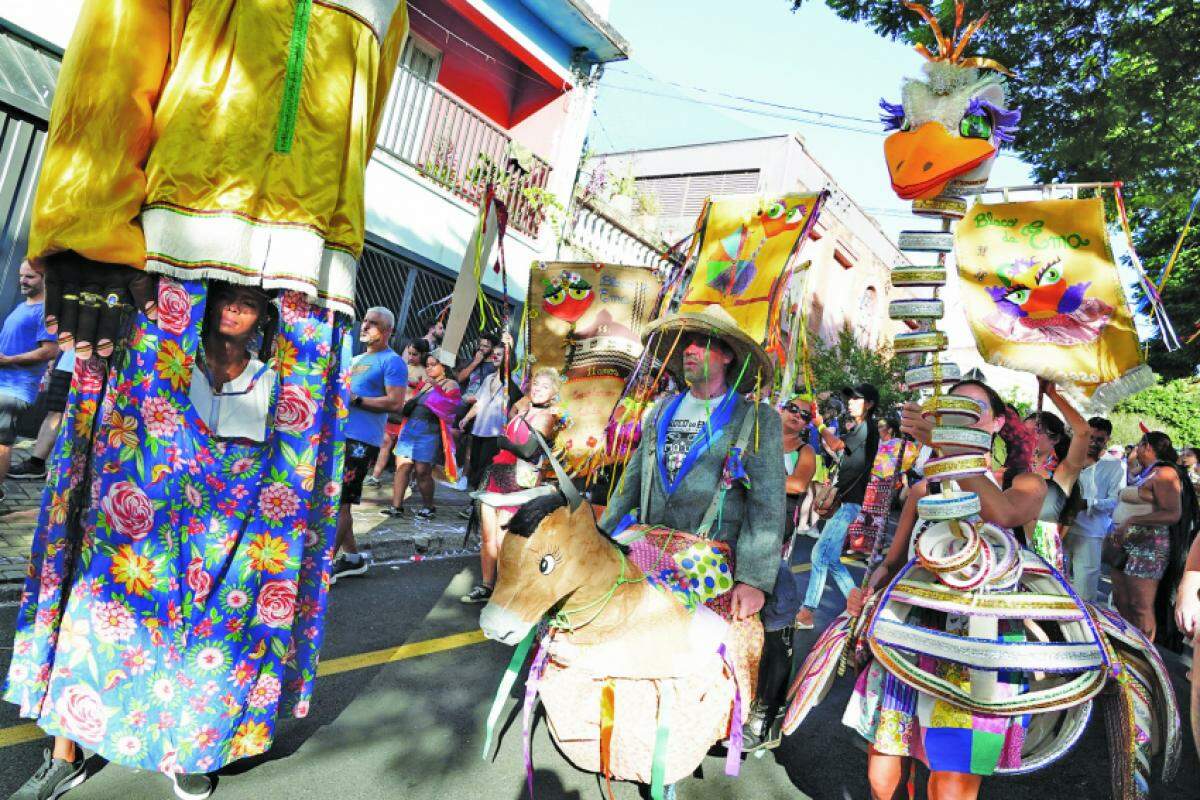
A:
[(456, 148)]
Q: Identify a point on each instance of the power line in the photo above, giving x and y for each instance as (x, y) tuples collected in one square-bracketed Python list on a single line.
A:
[(745, 99), (761, 113)]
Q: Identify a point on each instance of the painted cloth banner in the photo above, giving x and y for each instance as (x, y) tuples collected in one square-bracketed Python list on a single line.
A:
[(743, 253), (586, 321), (1043, 295)]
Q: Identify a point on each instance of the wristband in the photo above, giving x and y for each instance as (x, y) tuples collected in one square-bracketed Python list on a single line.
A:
[(926, 241), (920, 342), (942, 206), (955, 440), (904, 277), (956, 467), (357, 402), (948, 505), (952, 409), (922, 308), (926, 377)]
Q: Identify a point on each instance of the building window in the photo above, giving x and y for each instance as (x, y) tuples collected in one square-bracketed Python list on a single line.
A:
[(421, 58), (864, 322)]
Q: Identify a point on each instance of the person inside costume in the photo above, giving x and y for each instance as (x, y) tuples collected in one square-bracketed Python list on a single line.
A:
[(174, 604), (763, 725), (425, 438), (899, 722), (516, 467), (1059, 458), (692, 434), (855, 446)]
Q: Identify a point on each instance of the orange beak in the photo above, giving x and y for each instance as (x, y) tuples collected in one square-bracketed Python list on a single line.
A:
[(923, 161)]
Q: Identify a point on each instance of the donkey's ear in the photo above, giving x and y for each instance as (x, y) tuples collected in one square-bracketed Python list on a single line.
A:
[(583, 514)]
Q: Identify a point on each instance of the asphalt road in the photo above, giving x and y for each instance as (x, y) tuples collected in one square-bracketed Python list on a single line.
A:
[(412, 727)]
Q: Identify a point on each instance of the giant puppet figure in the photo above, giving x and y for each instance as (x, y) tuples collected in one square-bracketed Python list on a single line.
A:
[(174, 601), (977, 657)]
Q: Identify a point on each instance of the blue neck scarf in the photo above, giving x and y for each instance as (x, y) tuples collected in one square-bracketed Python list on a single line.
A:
[(709, 435)]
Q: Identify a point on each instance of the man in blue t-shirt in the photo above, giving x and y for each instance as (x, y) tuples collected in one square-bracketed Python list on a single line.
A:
[(25, 347), (378, 381)]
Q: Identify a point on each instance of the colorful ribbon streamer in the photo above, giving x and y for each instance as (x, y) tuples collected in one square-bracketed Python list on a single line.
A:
[(506, 684)]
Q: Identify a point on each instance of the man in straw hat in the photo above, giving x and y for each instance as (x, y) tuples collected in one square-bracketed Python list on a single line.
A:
[(690, 436)]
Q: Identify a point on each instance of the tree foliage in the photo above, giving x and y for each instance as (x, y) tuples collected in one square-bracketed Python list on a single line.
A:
[(845, 362), (1175, 403), (1109, 90)]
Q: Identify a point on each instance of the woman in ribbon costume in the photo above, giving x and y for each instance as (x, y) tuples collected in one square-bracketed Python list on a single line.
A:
[(982, 659), (174, 602), (888, 713)]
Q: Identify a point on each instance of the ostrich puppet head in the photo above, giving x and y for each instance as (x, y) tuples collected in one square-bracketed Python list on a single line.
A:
[(951, 124)]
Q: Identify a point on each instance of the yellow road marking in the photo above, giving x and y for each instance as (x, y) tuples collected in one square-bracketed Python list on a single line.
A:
[(29, 732), (404, 651), (20, 734), (849, 562)]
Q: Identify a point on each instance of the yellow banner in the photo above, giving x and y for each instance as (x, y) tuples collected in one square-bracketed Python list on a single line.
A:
[(1043, 295), (586, 321), (743, 253)]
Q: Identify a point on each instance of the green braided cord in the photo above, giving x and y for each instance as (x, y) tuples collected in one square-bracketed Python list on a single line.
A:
[(562, 619), (285, 129)]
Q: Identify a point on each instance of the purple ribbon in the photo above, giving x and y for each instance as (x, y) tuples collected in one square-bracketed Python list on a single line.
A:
[(531, 689), (733, 757)]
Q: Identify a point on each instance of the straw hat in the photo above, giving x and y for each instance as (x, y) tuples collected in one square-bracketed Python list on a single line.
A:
[(715, 321)]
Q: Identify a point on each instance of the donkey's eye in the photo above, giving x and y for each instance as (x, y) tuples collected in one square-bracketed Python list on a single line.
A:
[(547, 564)]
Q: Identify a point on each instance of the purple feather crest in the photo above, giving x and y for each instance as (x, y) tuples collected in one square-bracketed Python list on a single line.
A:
[(1004, 121), (892, 116)]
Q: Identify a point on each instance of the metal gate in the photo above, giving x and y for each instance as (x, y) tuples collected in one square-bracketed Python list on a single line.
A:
[(417, 296)]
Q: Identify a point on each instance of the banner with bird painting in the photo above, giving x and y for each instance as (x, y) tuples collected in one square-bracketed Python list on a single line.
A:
[(586, 321), (1044, 295), (745, 247)]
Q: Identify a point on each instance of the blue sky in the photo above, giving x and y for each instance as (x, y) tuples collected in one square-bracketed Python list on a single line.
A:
[(760, 49)]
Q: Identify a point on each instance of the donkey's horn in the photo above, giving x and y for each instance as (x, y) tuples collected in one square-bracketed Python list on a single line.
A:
[(499, 499)]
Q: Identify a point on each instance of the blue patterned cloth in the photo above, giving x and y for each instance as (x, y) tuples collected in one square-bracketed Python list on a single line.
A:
[(196, 603)]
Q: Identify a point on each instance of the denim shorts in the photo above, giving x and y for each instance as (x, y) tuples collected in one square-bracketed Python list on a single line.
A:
[(419, 441)]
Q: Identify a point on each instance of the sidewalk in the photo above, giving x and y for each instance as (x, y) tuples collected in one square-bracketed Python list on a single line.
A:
[(386, 539)]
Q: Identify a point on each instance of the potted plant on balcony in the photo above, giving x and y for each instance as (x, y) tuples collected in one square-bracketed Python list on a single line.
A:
[(442, 165), (624, 194), (648, 209)]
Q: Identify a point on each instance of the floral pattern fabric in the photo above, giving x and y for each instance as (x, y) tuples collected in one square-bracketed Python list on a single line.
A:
[(192, 616)]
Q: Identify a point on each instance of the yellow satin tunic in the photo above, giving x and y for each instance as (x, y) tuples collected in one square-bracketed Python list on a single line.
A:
[(219, 139)]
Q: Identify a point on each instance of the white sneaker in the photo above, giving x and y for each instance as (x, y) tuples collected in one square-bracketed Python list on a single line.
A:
[(192, 786)]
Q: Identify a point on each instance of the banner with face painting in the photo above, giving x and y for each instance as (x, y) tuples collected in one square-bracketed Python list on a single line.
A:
[(586, 321), (743, 253), (1043, 295)]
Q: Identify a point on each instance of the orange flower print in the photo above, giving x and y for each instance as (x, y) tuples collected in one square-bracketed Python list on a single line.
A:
[(250, 739), (174, 365), (133, 570), (267, 553)]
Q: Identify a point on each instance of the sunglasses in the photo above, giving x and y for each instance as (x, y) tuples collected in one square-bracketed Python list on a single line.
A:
[(804, 413)]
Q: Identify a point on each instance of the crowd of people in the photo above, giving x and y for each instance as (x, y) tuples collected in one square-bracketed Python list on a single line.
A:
[(836, 466)]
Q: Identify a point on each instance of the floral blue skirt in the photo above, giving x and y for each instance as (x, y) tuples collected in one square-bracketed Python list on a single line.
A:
[(174, 602)]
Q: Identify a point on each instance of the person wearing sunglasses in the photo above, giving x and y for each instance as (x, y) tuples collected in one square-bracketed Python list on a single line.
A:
[(762, 729)]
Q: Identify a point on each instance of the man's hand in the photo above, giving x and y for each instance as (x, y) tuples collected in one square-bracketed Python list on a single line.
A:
[(746, 601), (86, 301)]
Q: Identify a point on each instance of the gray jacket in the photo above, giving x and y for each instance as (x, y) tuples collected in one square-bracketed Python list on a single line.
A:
[(751, 521)]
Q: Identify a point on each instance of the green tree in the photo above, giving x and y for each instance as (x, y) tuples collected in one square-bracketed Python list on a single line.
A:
[(847, 363), (1173, 407), (1109, 90)]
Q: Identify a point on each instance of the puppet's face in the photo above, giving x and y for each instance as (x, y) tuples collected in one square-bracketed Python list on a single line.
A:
[(782, 215), (948, 128), (1036, 290), (568, 297)]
